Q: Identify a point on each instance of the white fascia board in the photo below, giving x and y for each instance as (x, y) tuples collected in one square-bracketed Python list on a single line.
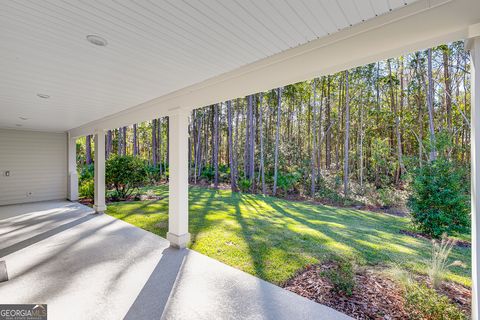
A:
[(423, 24)]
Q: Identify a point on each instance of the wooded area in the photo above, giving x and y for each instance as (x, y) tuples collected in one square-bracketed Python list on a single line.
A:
[(341, 133)]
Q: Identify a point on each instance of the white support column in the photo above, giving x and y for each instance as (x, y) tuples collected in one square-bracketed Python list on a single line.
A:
[(99, 201), (474, 46), (72, 183), (178, 181)]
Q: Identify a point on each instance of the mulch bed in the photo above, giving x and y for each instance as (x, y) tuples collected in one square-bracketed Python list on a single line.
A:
[(458, 243), (460, 295), (86, 202), (374, 296)]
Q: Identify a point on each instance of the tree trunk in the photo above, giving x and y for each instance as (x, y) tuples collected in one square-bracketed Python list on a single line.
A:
[(235, 158), (314, 138), (262, 161), (135, 141), (320, 130), (231, 155), (88, 149), (360, 160), (397, 123), (215, 145), (252, 143), (159, 144), (198, 151), (124, 141), (109, 144), (433, 152), (277, 137), (347, 136), (119, 141), (420, 109), (154, 142), (448, 88), (328, 139)]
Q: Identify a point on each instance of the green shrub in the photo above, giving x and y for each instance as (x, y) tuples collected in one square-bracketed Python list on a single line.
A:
[(87, 173), (289, 181), (439, 201), (342, 276), (244, 185), (208, 173), (87, 189), (422, 302), (153, 174), (125, 174)]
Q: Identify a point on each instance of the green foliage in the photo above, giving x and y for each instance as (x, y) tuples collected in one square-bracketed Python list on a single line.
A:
[(115, 195), (329, 194), (153, 174), (439, 202), (288, 182), (422, 302), (208, 173), (87, 172), (85, 179), (244, 185), (125, 174), (342, 276), (87, 189)]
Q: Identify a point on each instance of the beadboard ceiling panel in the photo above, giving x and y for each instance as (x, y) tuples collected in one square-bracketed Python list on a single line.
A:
[(154, 47)]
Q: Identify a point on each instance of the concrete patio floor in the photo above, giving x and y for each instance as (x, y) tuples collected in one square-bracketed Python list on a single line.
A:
[(87, 266)]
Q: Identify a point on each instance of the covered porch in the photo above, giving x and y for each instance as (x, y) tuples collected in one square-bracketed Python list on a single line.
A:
[(87, 266), (77, 257)]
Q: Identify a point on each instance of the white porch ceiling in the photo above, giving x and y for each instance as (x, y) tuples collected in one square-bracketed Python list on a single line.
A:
[(154, 48)]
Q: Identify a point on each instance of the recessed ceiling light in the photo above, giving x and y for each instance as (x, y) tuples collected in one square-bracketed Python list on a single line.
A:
[(97, 40), (43, 96), (23, 118)]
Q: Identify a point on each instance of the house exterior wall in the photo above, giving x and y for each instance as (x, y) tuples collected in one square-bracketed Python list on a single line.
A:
[(37, 165)]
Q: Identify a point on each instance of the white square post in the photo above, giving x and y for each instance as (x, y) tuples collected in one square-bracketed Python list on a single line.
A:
[(178, 181), (99, 201), (474, 47), (72, 183)]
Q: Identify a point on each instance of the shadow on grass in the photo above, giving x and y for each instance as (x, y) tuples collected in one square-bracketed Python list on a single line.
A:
[(279, 237)]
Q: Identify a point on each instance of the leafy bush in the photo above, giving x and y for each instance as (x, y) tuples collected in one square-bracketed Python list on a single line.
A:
[(342, 276), (244, 185), (208, 173), (87, 172), (288, 182), (153, 174), (439, 200), (422, 302), (125, 174), (87, 189)]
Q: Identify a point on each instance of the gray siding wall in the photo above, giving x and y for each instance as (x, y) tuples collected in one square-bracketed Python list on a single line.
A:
[(37, 162)]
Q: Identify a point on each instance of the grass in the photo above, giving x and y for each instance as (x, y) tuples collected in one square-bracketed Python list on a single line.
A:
[(273, 238)]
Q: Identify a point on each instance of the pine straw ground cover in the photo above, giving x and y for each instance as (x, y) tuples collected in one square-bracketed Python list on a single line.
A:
[(375, 295)]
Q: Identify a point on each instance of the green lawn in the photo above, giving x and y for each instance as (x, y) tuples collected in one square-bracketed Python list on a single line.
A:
[(273, 238)]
